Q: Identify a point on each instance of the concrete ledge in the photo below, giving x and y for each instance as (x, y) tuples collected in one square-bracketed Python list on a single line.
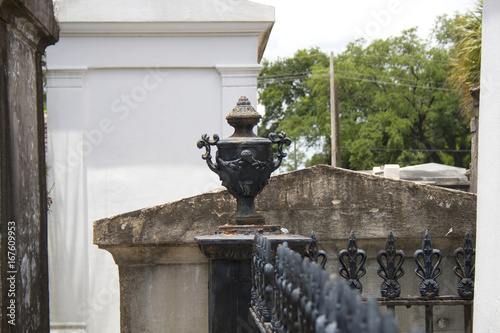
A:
[(329, 201), (156, 255)]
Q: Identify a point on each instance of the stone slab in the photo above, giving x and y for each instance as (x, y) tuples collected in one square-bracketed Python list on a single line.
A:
[(329, 201)]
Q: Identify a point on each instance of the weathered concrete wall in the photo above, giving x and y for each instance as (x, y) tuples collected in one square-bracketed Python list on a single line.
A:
[(329, 201), (26, 29), (332, 202)]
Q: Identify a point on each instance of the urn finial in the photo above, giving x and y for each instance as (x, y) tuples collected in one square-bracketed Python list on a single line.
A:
[(244, 161), (243, 114)]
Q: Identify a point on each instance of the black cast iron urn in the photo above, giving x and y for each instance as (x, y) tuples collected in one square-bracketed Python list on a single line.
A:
[(244, 161)]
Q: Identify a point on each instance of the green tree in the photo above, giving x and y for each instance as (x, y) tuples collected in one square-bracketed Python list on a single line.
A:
[(285, 92), (394, 106), (466, 54)]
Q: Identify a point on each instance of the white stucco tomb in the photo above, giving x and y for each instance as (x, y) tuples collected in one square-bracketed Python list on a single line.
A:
[(131, 87)]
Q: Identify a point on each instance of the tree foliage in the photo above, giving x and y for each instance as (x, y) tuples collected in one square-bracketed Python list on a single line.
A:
[(286, 90), (466, 55), (393, 103)]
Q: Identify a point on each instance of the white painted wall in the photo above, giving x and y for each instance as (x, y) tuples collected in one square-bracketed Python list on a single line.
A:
[(131, 86), (487, 293)]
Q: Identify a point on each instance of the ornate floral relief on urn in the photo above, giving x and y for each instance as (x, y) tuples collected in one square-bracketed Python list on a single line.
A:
[(244, 161)]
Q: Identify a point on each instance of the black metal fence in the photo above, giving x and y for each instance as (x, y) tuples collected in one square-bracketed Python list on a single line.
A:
[(291, 294), (295, 294), (427, 260)]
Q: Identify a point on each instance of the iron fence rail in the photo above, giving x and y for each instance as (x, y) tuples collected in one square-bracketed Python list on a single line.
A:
[(291, 293)]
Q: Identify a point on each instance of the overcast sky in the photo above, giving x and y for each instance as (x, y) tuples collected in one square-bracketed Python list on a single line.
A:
[(331, 24)]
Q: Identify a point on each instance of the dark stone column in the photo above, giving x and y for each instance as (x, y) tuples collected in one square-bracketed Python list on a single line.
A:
[(474, 130), (26, 28), (229, 281)]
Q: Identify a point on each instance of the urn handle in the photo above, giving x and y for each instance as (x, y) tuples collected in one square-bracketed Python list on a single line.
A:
[(281, 140), (206, 142)]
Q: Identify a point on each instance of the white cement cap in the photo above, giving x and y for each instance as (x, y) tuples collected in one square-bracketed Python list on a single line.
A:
[(162, 11)]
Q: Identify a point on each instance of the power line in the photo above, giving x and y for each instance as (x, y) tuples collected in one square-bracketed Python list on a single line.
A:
[(324, 73), (402, 149), (342, 55), (289, 74), (389, 77), (397, 84), (291, 78)]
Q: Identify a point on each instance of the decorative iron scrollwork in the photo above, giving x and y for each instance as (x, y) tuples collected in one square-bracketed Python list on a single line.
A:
[(314, 253), (206, 142), (246, 157), (352, 270), (429, 269), (465, 268), (391, 270), (281, 140)]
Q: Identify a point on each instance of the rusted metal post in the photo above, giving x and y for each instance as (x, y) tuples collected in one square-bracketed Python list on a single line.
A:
[(429, 319), (468, 318)]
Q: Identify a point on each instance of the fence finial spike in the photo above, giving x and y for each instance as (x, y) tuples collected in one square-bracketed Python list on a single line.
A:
[(428, 270), (465, 268), (390, 261)]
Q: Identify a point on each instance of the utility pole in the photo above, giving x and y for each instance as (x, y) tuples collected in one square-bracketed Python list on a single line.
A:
[(334, 117)]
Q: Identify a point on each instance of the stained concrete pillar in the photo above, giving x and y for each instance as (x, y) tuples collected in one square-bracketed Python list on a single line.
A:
[(487, 293), (230, 277), (26, 29)]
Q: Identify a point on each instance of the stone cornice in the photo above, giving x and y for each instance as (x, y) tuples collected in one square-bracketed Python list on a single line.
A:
[(31, 20), (65, 77), (175, 29), (239, 75), (259, 29)]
